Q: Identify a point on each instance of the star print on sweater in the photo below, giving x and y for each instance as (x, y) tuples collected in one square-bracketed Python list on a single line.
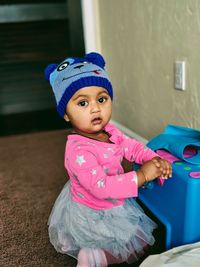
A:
[(95, 170), (80, 160)]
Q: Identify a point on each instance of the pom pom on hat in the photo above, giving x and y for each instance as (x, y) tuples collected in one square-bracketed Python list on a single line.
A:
[(73, 74), (49, 69), (96, 58)]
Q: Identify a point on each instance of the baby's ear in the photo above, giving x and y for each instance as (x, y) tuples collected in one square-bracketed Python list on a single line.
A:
[(66, 118), (49, 69), (96, 59)]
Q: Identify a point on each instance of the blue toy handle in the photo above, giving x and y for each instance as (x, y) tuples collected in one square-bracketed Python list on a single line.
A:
[(177, 145), (182, 131)]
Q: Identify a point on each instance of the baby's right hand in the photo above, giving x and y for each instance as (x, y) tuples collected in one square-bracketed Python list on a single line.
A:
[(148, 172)]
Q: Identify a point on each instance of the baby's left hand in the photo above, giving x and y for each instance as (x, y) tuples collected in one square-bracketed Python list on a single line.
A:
[(164, 166)]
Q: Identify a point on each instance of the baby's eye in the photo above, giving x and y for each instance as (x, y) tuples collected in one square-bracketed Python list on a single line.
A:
[(83, 103), (102, 99)]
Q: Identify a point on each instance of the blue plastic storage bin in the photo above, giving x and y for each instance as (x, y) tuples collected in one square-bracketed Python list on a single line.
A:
[(176, 204)]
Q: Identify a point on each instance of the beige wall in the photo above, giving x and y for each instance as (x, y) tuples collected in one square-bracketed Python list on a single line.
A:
[(141, 40)]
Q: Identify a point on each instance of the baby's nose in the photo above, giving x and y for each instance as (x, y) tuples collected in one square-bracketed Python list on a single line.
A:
[(95, 107)]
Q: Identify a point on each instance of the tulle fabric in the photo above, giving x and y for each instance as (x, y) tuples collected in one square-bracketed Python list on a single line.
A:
[(123, 231)]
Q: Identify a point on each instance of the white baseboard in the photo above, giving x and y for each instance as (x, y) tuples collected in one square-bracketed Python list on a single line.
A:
[(129, 132)]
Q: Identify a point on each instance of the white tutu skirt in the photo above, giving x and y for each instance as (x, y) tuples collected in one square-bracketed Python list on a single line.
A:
[(123, 231)]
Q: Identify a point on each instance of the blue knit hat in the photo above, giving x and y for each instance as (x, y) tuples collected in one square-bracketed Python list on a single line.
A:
[(75, 73)]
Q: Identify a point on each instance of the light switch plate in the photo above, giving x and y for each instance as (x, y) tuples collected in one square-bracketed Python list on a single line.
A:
[(180, 75)]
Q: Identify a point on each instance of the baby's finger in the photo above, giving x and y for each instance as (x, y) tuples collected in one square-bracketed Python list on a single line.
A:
[(156, 162), (164, 177), (164, 173), (168, 168), (164, 167)]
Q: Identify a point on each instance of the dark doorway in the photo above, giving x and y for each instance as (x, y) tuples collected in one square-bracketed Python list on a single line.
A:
[(34, 34)]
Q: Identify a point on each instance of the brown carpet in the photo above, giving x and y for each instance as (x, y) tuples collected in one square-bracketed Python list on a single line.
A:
[(31, 177)]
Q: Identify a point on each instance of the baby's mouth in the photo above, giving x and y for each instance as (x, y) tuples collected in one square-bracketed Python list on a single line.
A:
[(96, 121)]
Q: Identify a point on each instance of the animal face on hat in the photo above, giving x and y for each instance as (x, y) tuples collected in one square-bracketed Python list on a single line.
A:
[(73, 74)]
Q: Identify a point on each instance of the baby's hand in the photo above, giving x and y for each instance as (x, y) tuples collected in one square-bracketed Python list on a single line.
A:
[(164, 166), (153, 169), (148, 172)]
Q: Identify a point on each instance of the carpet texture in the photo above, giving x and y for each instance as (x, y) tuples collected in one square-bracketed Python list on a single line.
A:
[(31, 177)]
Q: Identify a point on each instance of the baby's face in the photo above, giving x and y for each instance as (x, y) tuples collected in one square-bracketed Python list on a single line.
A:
[(89, 110)]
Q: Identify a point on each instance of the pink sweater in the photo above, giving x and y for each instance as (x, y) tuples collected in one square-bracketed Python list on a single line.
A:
[(96, 175)]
